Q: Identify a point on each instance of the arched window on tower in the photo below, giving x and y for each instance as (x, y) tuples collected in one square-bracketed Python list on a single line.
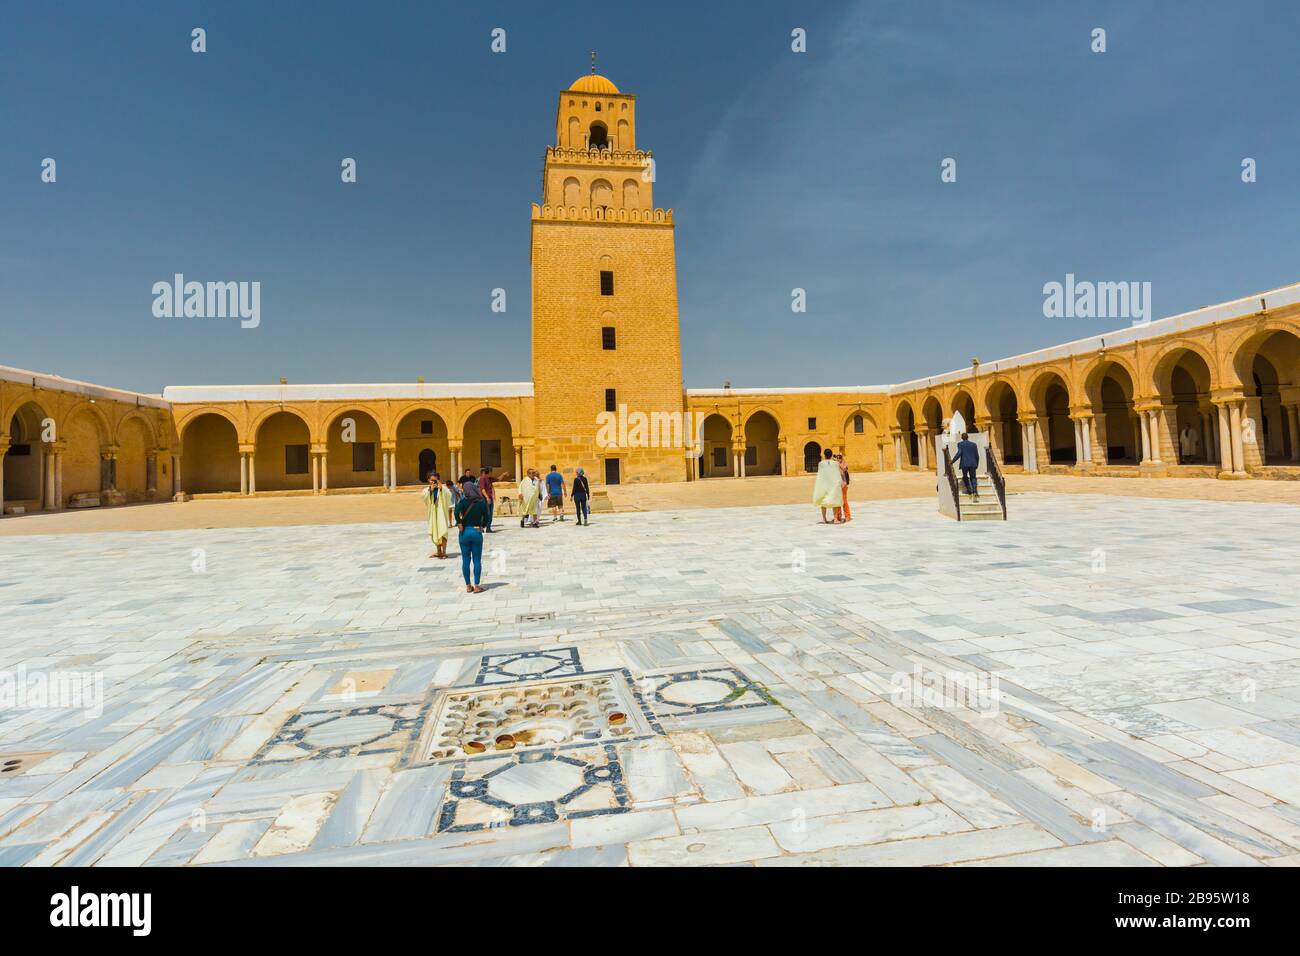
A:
[(598, 136)]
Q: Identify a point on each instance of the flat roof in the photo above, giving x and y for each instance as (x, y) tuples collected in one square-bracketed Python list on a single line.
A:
[(207, 394), (59, 383)]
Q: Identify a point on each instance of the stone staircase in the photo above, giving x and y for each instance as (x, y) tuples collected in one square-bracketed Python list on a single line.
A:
[(986, 508)]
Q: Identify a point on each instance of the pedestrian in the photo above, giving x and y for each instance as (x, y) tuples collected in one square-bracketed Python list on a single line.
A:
[(471, 518), (968, 459), (453, 489), (529, 491), (555, 494), (485, 483), (1188, 443), (437, 503), (844, 486), (580, 495), (827, 490)]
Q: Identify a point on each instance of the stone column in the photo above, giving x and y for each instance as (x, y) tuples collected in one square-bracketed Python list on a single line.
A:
[(47, 476), (1223, 442), (58, 480), (923, 450), (453, 459), (1146, 441), (1154, 434), (1087, 439), (252, 471), (1078, 442), (324, 471), (315, 473), (177, 486), (151, 475), (243, 474), (1234, 430), (391, 453), (4, 447), (1207, 437), (785, 460), (1293, 428)]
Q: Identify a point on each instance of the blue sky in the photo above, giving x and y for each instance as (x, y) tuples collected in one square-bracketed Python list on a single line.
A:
[(816, 170)]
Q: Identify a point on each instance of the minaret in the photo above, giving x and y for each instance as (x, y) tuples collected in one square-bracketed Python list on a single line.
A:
[(605, 330)]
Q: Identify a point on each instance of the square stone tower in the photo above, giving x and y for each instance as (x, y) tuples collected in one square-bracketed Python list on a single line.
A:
[(605, 331)]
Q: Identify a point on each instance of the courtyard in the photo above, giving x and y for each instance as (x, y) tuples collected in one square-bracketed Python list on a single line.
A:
[(1104, 679)]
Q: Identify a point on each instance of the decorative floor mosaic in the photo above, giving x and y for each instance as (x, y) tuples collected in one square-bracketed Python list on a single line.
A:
[(1123, 687)]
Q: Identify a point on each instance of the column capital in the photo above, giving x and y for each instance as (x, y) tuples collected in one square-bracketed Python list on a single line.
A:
[(319, 449), (248, 449), (1081, 412), (1027, 418), (1227, 396), (58, 446)]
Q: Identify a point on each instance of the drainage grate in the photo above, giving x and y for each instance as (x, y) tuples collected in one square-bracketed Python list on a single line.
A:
[(533, 616), (572, 711)]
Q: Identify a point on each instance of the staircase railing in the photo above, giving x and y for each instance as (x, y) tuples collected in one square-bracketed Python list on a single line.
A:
[(952, 482), (999, 483)]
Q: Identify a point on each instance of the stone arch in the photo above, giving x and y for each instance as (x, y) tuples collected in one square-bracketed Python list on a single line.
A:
[(1273, 438), (602, 193), (135, 442), (84, 435), (717, 431), (417, 429), (906, 418), (209, 453), (812, 457), (283, 451), (1173, 354), (1278, 341), (1002, 404), (487, 440), (306, 415), (572, 190), (1183, 380), (353, 449), (24, 459), (149, 425), (624, 140), (860, 446), (932, 413), (962, 401), (1042, 380), (1110, 392), (762, 443), (631, 194), (198, 413), (1104, 365), (597, 135)]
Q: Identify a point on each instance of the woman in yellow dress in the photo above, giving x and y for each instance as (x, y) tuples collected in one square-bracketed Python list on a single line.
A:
[(437, 502)]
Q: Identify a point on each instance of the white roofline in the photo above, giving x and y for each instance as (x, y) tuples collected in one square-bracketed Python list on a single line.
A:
[(194, 394), (818, 390), (60, 384), (1210, 314)]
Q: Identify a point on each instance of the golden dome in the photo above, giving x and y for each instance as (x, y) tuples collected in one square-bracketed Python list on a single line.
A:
[(593, 83)]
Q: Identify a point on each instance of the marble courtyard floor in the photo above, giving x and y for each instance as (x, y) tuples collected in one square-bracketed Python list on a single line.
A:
[(708, 686)]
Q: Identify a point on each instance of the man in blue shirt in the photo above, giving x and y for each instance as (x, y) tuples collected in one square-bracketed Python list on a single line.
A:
[(555, 494), (968, 459)]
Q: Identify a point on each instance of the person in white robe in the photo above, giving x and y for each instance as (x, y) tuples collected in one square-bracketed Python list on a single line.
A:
[(1188, 443), (827, 491), (437, 504), (530, 496)]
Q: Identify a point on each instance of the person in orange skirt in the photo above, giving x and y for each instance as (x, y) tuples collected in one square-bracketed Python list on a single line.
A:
[(844, 486)]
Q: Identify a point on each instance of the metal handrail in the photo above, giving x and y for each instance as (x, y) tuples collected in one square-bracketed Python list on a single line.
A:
[(999, 483), (952, 482)]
